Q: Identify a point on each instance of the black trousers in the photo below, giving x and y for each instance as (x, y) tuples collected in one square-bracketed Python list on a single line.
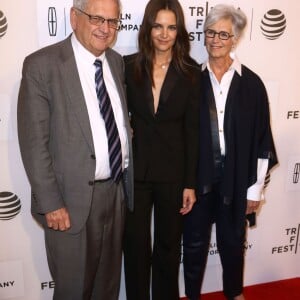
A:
[(162, 260), (210, 208)]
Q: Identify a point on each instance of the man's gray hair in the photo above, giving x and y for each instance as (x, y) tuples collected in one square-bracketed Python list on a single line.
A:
[(81, 4)]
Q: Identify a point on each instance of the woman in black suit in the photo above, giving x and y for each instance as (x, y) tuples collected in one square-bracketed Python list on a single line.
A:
[(163, 95)]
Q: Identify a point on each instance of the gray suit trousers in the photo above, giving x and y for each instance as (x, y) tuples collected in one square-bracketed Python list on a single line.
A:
[(87, 265)]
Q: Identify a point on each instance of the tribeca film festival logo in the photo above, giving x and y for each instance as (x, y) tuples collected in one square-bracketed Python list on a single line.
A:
[(3, 24), (292, 243), (293, 114), (273, 24), (200, 13), (47, 285), (10, 206)]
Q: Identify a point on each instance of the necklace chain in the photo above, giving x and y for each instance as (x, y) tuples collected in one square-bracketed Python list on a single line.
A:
[(164, 65)]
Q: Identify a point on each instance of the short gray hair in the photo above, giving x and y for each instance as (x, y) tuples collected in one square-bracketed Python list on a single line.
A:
[(223, 11), (81, 4)]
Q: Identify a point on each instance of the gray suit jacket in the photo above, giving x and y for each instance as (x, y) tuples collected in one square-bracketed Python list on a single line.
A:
[(55, 136)]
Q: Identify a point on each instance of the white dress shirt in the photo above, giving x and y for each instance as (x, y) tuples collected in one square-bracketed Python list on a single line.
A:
[(220, 90), (86, 69)]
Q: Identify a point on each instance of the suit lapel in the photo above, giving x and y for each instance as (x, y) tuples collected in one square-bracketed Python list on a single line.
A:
[(116, 76), (72, 84), (146, 93), (119, 81), (149, 95), (168, 85), (208, 91), (214, 126), (230, 104)]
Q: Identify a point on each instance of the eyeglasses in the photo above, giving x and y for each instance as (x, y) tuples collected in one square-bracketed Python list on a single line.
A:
[(98, 20), (223, 35)]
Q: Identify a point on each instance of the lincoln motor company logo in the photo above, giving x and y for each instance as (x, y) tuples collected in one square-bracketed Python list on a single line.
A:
[(52, 21), (296, 173), (3, 24), (10, 205), (273, 24)]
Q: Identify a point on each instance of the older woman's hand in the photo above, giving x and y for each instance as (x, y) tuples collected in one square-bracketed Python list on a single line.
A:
[(252, 206)]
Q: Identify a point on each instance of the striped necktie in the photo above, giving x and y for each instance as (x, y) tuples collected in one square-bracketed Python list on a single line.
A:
[(114, 144)]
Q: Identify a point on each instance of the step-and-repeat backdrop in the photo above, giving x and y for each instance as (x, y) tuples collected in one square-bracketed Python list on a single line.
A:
[(270, 47)]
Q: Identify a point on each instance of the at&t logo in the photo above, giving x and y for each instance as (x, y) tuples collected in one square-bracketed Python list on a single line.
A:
[(10, 205), (273, 24), (3, 24)]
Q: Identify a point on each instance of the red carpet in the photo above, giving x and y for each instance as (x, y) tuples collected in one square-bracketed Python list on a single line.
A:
[(278, 290)]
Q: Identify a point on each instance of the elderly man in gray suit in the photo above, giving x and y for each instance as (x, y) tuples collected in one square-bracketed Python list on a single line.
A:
[(75, 142)]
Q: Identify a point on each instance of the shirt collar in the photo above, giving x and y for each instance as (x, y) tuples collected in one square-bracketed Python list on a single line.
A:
[(236, 65), (85, 55)]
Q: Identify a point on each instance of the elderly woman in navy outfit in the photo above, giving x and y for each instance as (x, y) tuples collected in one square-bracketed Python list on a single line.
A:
[(236, 152)]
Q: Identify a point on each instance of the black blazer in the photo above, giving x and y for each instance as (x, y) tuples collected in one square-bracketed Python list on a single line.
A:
[(165, 143), (248, 136)]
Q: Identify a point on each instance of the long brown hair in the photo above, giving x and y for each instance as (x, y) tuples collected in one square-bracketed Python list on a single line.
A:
[(181, 58)]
